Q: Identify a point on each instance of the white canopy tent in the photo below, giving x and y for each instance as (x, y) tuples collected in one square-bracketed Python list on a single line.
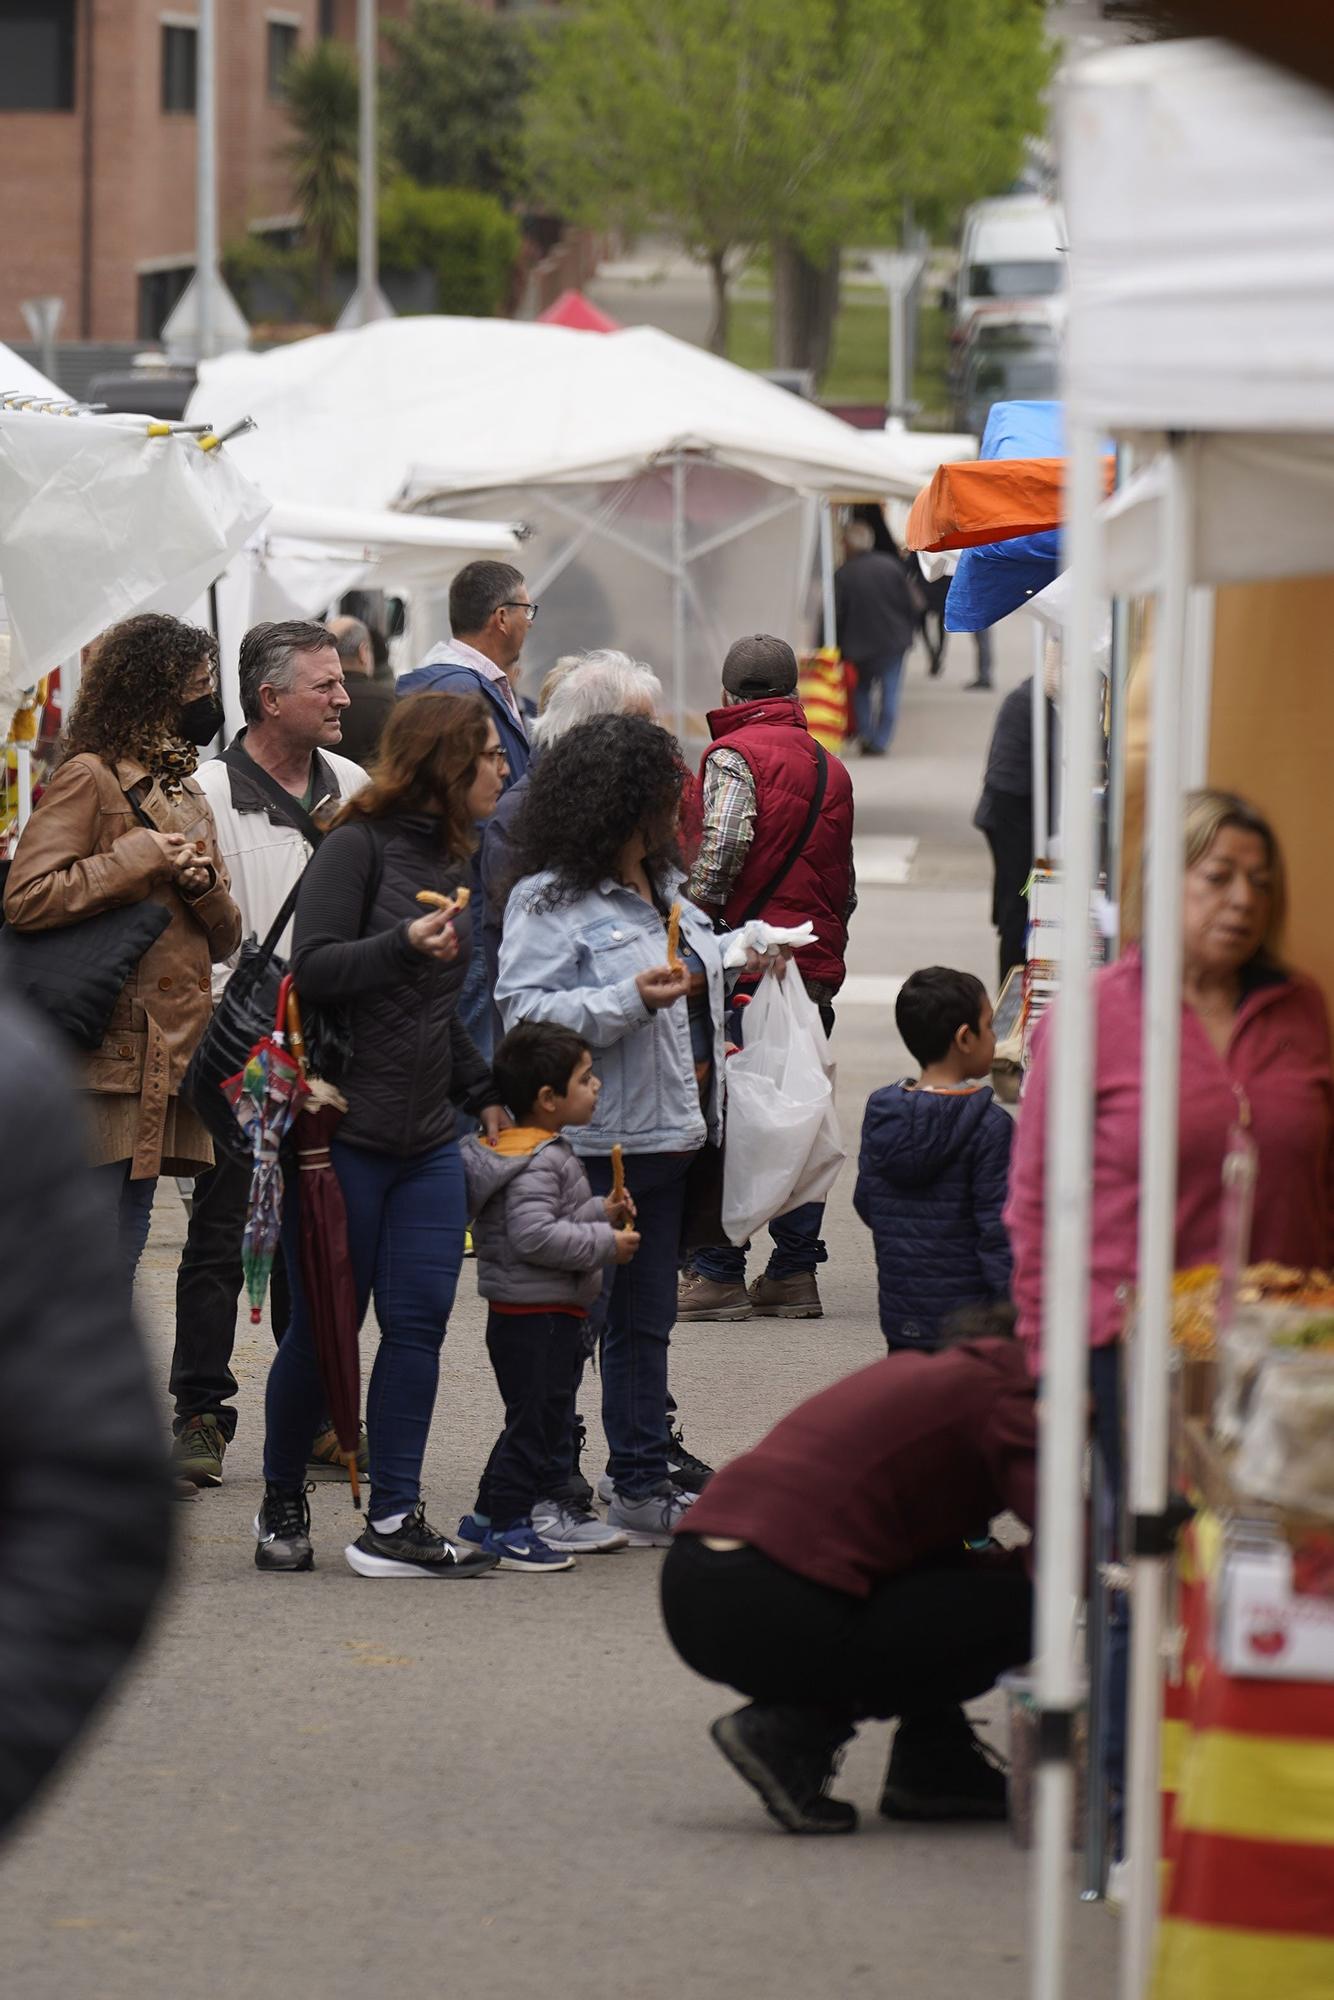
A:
[(671, 496), (1199, 187), (19, 379)]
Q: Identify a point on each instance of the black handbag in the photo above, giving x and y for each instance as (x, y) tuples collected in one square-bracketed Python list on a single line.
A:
[(76, 974)]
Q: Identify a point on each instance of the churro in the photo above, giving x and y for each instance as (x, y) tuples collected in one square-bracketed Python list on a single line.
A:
[(674, 938), (454, 904)]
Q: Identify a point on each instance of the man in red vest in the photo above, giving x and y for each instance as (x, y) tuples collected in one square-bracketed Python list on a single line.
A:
[(777, 844)]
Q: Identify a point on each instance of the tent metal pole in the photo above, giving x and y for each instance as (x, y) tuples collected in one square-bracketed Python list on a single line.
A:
[(830, 629), (1096, 1618), (1041, 746), (23, 774), (1149, 1543), (679, 592), (1065, 1260), (1199, 664)]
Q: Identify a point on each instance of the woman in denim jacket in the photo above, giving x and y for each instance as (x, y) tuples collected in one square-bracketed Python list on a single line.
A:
[(597, 872)]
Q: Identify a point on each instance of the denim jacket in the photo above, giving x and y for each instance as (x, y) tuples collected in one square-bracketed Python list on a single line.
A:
[(577, 965)]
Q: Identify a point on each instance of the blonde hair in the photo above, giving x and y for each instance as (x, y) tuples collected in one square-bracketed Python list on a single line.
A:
[(1207, 814)]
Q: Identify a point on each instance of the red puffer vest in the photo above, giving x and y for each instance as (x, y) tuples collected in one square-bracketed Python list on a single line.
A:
[(772, 736)]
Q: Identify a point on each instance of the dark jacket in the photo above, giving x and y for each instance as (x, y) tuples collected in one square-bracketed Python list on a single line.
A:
[(445, 676), (931, 1185), (873, 607), (1009, 771), (85, 1504), (542, 1237), (495, 859), (372, 704), (890, 1468), (413, 1061)]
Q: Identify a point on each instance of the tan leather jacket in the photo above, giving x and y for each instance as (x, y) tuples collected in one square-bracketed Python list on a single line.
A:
[(85, 850)]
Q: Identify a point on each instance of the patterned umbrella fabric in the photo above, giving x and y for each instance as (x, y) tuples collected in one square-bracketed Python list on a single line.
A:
[(265, 1096)]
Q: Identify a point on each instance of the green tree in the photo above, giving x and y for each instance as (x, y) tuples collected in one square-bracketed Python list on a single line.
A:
[(453, 95), (321, 90), (468, 241), (794, 125)]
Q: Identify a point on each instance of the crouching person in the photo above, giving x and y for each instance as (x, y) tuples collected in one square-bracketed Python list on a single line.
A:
[(543, 1241), (886, 1612)]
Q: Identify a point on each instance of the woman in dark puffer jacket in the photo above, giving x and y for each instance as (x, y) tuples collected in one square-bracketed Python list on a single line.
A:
[(363, 942)]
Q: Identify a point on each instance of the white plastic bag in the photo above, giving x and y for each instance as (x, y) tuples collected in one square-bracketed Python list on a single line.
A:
[(783, 1144)]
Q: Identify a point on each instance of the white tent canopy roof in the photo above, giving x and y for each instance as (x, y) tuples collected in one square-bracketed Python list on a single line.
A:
[(1199, 190), (19, 377), (410, 408)]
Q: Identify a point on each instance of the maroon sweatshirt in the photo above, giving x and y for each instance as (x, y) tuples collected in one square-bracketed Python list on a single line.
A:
[(890, 1468)]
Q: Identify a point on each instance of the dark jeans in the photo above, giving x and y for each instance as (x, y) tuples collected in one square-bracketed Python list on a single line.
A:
[(798, 1245), (537, 1358), (928, 1639), (405, 1220), (640, 1300), (1009, 835), (875, 699), (134, 1212), (208, 1287), (1105, 1383)]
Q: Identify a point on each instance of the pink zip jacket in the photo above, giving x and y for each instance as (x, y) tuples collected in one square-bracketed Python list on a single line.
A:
[(1278, 1058)]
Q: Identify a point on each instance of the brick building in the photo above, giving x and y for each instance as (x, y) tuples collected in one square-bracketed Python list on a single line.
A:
[(97, 147)]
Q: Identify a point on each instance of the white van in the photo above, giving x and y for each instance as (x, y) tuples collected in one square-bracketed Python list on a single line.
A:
[(1013, 252)]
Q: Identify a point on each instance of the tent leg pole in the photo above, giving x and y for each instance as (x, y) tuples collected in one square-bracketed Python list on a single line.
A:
[(1157, 1209), (679, 593), (1065, 1259), (1096, 1618), (1041, 747), (23, 770), (830, 638)]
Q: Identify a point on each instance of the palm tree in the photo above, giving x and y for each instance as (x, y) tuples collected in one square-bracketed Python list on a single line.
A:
[(321, 89)]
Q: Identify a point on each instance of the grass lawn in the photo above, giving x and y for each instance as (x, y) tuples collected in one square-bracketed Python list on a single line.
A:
[(859, 368)]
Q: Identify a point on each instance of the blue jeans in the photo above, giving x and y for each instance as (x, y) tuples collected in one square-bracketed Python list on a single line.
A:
[(640, 1299), (405, 1220), (134, 1212), (875, 699)]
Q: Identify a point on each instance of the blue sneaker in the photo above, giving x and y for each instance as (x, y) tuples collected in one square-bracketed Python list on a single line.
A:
[(471, 1530), (521, 1547)]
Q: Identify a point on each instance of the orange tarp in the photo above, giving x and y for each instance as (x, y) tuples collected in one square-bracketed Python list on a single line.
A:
[(989, 500)]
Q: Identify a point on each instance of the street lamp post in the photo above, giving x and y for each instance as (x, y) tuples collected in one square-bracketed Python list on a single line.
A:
[(368, 302)]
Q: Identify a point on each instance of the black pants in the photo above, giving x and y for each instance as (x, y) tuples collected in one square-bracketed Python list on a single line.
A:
[(929, 1639), (536, 1358), (208, 1287), (1009, 832)]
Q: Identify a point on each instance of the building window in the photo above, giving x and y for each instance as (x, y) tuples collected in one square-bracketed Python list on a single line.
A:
[(327, 21), (282, 47), (36, 55), (159, 295), (180, 60)]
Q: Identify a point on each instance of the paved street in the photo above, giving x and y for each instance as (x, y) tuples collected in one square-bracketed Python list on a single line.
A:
[(323, 1789)]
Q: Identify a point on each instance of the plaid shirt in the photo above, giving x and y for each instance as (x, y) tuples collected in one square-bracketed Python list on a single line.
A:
[(729, 828)]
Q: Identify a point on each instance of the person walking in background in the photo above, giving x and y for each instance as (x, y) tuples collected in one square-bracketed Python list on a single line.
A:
[(87, 1505), (1005, 816), (777, 844), (490, 612), (935, 1157), (876, 617), (543, 1241), (124, 820), (363, 943), (273, 794), (370, 699)]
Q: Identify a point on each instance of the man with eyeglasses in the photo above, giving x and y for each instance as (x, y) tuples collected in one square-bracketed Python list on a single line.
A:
[(490, 612)]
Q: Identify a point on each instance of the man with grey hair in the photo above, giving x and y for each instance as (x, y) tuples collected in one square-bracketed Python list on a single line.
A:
[(370, 701), (273, 793)]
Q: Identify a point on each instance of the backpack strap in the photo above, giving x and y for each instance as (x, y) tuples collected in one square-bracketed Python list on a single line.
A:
[(290, 809)]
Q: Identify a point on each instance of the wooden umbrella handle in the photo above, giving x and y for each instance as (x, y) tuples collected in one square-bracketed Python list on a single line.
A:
[(294, 1035)]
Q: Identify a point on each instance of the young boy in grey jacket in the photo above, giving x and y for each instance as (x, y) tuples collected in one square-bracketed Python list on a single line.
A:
[(542, 1241)]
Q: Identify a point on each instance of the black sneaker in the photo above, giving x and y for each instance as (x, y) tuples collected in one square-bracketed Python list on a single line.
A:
[(691, 1474), (938, 1769), (576, 1488), (789, 1755), (413, 1549), (282, 1530)]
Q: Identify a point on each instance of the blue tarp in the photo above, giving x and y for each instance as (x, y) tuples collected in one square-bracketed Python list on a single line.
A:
[(994, 580)]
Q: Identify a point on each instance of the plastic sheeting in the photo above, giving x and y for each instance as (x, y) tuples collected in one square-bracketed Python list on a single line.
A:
[(1199, 190), (991, 582)]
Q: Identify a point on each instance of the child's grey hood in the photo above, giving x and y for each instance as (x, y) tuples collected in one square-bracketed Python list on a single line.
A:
[(488, 1171)]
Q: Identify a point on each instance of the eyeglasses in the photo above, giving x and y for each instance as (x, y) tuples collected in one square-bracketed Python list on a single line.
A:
[(517, 604), (496, 756)]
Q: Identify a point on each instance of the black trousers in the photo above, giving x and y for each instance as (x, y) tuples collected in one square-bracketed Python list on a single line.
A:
[(1009, 832), (928, 1639), (208, 1288), (537, 1359)]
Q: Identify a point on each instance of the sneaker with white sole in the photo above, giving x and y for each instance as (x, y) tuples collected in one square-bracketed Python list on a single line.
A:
[(650, 1521), (282, 1530), (413, 1549), (578, 1529), (520, 1547)]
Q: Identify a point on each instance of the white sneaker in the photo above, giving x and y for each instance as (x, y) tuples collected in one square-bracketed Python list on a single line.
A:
[(578, 1529), (650, 1523), (606, 1490)]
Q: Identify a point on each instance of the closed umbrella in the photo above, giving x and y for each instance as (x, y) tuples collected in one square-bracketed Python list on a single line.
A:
[(265, 1096)]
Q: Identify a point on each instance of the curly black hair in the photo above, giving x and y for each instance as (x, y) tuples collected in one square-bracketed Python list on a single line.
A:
[(589, 794), (130, 695)]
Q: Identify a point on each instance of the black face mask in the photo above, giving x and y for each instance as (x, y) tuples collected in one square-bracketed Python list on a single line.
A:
[(201, 719)]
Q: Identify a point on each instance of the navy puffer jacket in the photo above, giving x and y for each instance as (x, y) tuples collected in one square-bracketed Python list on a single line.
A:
[(931, 1185)]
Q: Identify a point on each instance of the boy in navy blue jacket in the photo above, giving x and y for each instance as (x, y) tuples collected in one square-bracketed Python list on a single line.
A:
[(934, 1164)]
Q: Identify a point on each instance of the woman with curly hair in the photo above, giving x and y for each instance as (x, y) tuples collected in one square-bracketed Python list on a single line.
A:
[(364, 942), (598, 871), (122, 821)]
